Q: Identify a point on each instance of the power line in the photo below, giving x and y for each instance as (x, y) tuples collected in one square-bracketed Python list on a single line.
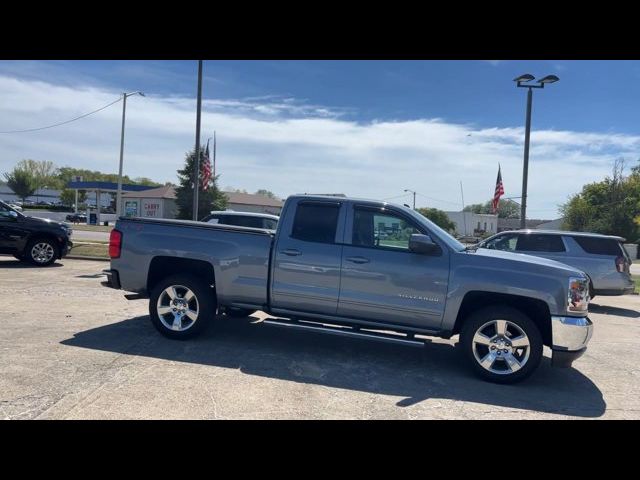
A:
[(62, 123), (438, 200)]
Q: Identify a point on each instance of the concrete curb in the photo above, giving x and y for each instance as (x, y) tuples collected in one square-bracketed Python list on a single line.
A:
[(79, 257)]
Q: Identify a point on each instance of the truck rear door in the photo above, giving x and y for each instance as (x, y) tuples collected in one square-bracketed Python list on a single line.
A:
[(307, 254)]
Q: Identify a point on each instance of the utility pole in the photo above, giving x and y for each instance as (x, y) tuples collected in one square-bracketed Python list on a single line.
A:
[(196, 174), (124, 111)]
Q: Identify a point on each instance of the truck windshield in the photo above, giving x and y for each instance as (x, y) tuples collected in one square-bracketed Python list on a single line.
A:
[(442, 234)]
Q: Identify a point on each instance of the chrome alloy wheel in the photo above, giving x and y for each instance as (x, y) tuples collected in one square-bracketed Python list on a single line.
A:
[(501, 347), (178, 308), (42, 252)]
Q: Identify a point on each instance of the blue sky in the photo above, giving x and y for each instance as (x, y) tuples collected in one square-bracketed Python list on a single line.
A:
[(368, 128)]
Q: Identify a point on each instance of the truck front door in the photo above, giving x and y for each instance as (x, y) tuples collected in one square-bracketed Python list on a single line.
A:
[(307, 254), (382, 279)]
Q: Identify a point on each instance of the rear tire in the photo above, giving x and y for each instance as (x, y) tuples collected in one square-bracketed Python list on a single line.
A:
[(181, 306), (41, 252), (501, 344), (238, 312)]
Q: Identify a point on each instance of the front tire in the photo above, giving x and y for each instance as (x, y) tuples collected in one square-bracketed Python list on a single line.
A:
[(501, 344), (42, 252), (181, 306)]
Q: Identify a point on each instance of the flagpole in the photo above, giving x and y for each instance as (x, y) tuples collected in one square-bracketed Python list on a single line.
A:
[(196, 182), (214, 155)]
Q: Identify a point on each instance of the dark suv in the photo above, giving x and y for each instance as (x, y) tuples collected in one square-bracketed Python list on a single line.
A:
[(36, 240)]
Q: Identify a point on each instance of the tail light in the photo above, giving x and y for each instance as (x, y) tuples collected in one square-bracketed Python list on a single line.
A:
[(622, 265), (115, 243)]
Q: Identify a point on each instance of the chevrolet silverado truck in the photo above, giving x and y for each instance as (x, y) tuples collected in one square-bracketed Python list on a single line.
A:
[(357, 268)]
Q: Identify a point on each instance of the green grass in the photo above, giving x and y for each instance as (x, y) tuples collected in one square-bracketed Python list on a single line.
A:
[(636, 278), (91, 228), (90, 250)]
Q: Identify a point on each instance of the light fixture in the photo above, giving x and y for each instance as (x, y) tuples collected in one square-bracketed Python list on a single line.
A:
[(527, 77), (549, 79)]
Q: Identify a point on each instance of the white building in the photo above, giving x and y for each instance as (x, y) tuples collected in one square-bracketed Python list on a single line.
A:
[(153, 203), (469, 224)]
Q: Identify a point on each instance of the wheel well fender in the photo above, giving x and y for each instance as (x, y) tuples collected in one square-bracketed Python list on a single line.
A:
[(537, 310)]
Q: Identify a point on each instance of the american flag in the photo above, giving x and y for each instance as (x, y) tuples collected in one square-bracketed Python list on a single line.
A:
[(498, 192), (206, 169)]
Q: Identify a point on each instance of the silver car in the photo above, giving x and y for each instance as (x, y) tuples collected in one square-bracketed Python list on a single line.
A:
[(602, 257)]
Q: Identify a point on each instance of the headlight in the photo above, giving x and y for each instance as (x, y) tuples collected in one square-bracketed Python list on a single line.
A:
[(578, 298)]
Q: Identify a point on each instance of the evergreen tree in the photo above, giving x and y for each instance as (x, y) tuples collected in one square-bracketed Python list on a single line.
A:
[(208, 200)]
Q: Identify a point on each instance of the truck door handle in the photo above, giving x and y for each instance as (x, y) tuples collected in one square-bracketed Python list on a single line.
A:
[(292, 252), (358, 260)]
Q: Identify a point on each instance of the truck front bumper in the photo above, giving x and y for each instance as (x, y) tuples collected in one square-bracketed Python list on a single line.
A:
[(570, 338), (113, 279)]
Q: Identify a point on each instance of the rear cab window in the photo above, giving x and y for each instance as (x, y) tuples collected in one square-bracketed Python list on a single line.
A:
[(316, 222)]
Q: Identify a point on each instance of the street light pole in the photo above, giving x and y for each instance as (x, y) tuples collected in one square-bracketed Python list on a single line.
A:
[(522, 82), (124, 110), (414, 197), (525, 168)]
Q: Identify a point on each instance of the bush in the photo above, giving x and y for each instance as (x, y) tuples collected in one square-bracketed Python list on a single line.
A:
[(49, 208)]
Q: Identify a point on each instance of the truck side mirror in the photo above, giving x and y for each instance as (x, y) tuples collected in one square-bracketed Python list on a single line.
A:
[(419, 243)]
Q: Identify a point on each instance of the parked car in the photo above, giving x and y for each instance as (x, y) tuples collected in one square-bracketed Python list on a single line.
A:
[(76, 218), (602, 257), (243, 219), (36, 240), (323, 270), (15, 207)]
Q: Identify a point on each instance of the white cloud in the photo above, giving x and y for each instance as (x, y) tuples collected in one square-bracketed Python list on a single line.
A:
[(288, 146)]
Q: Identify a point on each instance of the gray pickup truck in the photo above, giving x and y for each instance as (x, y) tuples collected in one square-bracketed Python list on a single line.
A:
[(358, 268)]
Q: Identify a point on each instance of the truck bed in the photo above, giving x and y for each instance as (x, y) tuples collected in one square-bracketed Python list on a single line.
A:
[(239, 255)]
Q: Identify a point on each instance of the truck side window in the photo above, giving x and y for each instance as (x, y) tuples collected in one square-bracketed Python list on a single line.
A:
[(376, 229), (315, 222)]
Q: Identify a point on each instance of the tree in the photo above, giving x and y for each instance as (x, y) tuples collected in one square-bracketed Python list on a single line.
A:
[(266, 193), (146, 181), (611, 206), (210, 199), (21, 182), (42, 171), (506, 208), (438, 217)]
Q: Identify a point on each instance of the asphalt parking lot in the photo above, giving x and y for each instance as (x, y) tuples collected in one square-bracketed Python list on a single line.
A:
[(71, 349)]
